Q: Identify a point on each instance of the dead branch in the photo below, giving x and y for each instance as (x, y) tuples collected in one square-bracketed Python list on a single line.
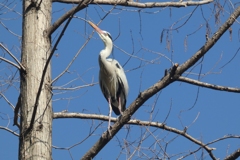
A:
[(120, 3), (73, 59), (141, 5), (74, 88), (217, 140), (7, 129), (234, 155), (89, 135), (81, 5), (134, 122), (16, 109), (207, 85), (5, 98), (10, 9), (223, 138), (10, 62), (10, 30), (20, 67)]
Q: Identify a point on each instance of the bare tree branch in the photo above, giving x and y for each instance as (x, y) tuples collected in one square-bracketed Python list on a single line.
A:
[(164, 82), (234, 155), (10, 30), (56, 24), (7, 129), (10, 62), (11, 9), (134, 122), (142, 5), (89, 135), (21, 66), (207, 85), (73, 88), (73, 59), (121, 3), (4, 97), (14, 108), (223, 138)]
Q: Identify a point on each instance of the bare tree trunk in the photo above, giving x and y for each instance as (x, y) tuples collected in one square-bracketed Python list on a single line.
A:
[(35, 140)]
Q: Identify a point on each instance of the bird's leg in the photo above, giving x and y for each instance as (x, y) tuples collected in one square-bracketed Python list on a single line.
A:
[(120, 105), (109, 115)]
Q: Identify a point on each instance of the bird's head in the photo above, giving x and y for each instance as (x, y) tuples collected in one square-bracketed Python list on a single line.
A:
[(104, 35)]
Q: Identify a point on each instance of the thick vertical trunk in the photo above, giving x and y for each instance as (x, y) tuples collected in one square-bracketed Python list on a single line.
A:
[(37, 143)]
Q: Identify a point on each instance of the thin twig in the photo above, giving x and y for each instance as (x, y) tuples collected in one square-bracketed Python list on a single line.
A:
[(208, 85), (81, 5), (21, 66), (73, 88), (10, 30), (73, 59), (10, 62), (12, 106), (6, 129)]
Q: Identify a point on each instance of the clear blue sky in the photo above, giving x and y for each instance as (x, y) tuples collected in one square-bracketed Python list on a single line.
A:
[(217, 112)]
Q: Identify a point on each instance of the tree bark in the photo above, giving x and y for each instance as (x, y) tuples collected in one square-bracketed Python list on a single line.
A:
[(35, 140)]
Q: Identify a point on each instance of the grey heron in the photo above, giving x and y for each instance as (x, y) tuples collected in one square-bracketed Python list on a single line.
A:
[(112, 79)]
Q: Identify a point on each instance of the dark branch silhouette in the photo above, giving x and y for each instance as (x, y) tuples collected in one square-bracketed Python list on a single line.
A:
[(234, 155)]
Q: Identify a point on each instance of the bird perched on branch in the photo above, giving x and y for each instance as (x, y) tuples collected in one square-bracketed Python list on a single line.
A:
[(112, 79)]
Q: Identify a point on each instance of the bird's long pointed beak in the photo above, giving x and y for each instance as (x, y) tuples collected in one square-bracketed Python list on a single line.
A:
[(95, 27)]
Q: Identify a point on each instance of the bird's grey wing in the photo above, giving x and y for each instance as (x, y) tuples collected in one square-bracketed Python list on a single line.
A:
[(106, 95), (121, 75), (122, 90), (121, 94)]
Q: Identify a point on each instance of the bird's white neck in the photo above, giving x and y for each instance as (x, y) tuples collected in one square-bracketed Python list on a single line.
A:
[(105, 53)]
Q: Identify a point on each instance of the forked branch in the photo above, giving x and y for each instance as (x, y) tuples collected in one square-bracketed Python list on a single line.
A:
[(133, 122), (19, 66), (10, 62), (71, 12)]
